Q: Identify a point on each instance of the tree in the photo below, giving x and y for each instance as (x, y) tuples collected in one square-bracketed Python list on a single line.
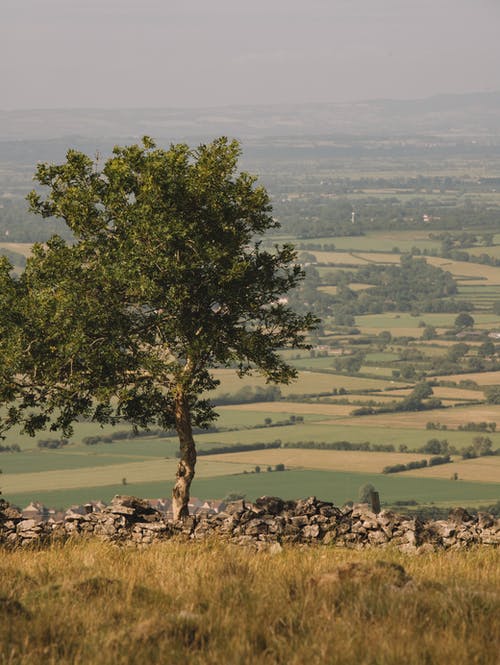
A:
[(422, 390), (429, 332), (165, 279), (457, 351), (486, 349), (365, 492), (234, 496), (464, 320), (492, 395)]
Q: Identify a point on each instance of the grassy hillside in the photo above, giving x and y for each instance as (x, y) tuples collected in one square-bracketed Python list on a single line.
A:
[(217, 604)]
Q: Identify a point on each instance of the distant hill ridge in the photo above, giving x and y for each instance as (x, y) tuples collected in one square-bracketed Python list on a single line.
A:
[(463, 114)]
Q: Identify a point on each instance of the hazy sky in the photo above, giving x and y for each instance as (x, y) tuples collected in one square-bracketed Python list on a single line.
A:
[(198, 53)]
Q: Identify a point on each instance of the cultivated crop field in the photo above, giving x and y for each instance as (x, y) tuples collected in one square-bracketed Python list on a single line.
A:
[(462, 269), (482, 469), (444, 393), (308, 383), (381, 241), (329, 460), (102, 475), (23, 248), (299, 408), (336, 486), (342, 486), (77, 473), (452, 417), (481, 378)]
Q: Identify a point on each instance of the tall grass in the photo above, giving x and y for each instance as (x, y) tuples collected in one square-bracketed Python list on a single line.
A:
[(213, 603)]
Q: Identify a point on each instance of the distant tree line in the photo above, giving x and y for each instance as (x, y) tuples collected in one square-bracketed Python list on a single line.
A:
[(52, 444), (247, 395), (13, 448), (418, 464), (317, 216), (240, 447), (413, 285)]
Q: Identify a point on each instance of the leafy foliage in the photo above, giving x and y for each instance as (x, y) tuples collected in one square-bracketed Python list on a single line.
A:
[(165, 280)]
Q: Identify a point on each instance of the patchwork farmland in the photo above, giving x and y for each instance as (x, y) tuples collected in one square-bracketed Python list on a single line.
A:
[(316, 411)]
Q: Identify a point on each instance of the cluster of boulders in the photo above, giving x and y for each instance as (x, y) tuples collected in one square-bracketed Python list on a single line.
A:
[(268, 521)]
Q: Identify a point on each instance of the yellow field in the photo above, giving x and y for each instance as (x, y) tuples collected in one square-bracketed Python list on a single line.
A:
[(482, 469), (134, 472), (307, 382), (459, 269), (445, 342), (481, 378), (295, 407), (354, 286), (337, 258), (491, 251), (413, 331), (383, 398), (327, 460), (331, 290), (359, 286), (452, 417), (441, 392), (379, 257), (487, 274), (23, 248)]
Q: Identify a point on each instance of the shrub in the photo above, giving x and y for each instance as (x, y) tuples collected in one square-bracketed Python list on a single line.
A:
[(443, 459)]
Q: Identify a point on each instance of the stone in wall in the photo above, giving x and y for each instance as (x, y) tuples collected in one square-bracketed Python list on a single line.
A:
[(132, 521)]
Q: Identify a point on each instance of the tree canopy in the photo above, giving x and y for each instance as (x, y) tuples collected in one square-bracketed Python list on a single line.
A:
[(165, 280)]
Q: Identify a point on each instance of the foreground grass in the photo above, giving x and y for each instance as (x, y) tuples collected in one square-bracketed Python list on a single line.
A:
[(215, 603)]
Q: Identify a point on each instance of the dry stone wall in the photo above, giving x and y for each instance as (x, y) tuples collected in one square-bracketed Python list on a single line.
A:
[(269, 521)]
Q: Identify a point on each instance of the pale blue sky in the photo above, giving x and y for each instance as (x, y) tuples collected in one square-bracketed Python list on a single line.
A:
[(199, 53)]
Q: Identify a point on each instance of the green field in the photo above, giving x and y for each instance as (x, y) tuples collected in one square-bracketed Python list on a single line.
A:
[(315, 428), (239, 419), (338, 487), (393, 321), (78, 473), (81, 470), (135, 472)]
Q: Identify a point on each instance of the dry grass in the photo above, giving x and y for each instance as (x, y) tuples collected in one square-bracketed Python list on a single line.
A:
[(216, 604)]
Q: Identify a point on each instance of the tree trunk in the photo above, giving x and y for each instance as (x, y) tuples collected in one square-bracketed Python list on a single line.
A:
[(187, 461)]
